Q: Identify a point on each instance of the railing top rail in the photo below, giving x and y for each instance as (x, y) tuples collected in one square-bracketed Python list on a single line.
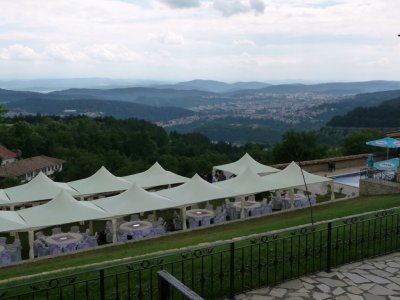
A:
[(183, 289)]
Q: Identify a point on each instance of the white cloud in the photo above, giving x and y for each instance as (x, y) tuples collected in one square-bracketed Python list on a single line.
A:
[(111, 53), (169, 38), (18, 52), (244, 43), (230, 7), (64, 52)]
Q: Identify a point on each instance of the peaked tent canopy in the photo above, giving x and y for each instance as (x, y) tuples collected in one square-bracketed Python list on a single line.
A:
[(134, 200), (194, 191), (247, 183), (4, 198), (292, 176), (62, 209), (39, 188), (243, 163), (11, 221), (100, 182), (156, 175)]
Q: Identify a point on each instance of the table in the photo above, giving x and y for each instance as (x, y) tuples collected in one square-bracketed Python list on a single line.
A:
[(202, 216), (1, 248), (63, 239), (299, 200), (143, 227), (248, 206)]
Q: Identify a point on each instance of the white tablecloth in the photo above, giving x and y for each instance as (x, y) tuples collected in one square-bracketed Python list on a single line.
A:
[(1, 249), (143, 226), (63, 239), (199, 213)]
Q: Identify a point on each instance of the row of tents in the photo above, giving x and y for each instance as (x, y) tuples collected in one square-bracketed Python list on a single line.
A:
[(63, 208)]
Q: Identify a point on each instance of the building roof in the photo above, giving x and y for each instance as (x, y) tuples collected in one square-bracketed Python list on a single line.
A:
[(23, 166), (6, 153)]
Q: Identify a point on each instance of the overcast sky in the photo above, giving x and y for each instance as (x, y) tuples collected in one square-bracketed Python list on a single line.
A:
[(229, 40)]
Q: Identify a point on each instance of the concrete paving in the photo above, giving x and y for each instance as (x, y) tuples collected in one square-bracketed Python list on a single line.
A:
[(375, 279)]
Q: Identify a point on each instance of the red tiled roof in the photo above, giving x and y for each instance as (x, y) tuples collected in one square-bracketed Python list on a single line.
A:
[(23, 166), (7, 154)]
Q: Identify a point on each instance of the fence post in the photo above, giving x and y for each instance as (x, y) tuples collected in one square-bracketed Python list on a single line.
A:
[(329, 248), (163, 288), (232, 272), (102, 288)]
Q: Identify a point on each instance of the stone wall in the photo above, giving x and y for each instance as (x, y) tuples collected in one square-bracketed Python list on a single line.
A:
[(341, 162), (369, 187)]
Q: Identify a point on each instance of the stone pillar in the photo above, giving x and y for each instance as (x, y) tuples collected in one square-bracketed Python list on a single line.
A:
[(183, 217)]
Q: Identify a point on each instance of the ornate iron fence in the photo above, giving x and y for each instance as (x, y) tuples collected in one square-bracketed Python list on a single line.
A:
[(223, 269)]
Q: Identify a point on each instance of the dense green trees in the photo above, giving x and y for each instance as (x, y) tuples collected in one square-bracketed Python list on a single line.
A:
[(355, 143)]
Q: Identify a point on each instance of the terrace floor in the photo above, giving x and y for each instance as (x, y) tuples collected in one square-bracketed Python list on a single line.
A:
[(375, 279)]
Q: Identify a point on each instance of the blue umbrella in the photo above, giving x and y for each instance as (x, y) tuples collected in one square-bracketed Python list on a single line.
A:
[(387, 165), (386, 142)]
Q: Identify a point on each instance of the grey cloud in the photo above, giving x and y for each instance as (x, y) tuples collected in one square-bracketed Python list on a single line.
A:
[(181, 3), (258, 6), (229, 8)]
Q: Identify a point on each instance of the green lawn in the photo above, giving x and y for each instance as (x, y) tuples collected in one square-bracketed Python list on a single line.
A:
[(184, 239)]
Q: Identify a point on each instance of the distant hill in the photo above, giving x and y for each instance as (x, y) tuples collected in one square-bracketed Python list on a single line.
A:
[(215, 86), (336, 88), (143, 95), (117, 109)]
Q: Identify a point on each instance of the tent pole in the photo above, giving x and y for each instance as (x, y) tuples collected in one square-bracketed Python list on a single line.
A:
[(242, 207), (155, 215), (183, 217), (114, 230), (30, 239), (91, 227), (291, 196), (333, 190)]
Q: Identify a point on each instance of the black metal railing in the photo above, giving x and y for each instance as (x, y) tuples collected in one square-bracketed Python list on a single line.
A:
[(224, 269)]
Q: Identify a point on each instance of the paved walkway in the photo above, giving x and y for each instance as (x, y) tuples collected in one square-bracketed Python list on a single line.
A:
[(375, 279)]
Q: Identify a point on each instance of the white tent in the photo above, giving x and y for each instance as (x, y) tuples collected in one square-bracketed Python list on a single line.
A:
[(247, 183), (243, 163), (11, 221), (4, 198), (100, 182), (155, 176), (63, 209), (39, 188), (135, 200), (196, 190), (292, 176)]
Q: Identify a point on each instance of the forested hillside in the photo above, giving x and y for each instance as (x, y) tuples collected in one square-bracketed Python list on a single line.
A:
[(385, 115), (130, 146)]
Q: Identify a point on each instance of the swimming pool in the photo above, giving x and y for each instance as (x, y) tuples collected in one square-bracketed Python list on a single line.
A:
[(352, 179)]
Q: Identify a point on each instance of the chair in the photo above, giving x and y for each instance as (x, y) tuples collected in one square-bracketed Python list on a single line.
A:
[(122, 237), (3, 240), (137, 235), (5, 258), (135, 217), (313, 199), (233, 213), (70, 247), (54, 250), (40, 248), (218, 210), (206, 221), (40, 235), (74, 229), (56, 230), (266, 209), (220, 218), (151, 218), (276, 203), (177, 223), (84, 245), (92, 240), (193, 223), (228, 203), (209, 206)]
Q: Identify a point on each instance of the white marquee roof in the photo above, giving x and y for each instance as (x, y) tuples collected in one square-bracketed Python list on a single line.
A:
[(4, 198), (62, 209), (194, 191), (11, 221), (247, 183), (39, 188), (292, 176), (243, 163), (135, 200), (100, 182), (156, 175)]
